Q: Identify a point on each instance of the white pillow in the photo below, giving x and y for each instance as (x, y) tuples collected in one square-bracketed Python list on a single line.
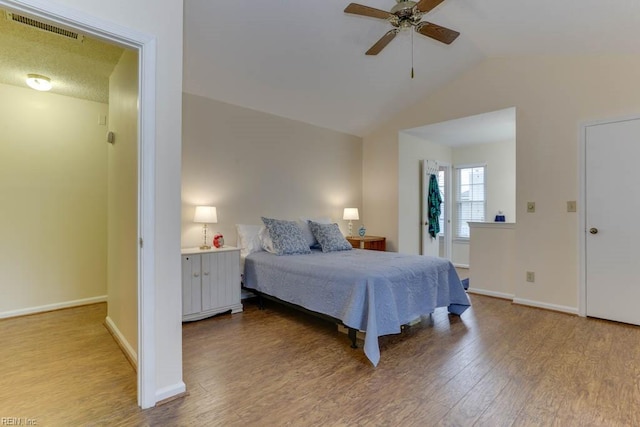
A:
[(306, 231), (248, 239), (265, 240)]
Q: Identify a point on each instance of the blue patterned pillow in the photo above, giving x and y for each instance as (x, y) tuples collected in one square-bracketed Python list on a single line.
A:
[(330, 237), (287, 237)]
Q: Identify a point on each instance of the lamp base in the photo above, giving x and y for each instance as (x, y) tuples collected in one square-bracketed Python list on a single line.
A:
[(205, 247)]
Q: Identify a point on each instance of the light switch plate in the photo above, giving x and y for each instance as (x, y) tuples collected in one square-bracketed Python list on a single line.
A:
[(571, 206)]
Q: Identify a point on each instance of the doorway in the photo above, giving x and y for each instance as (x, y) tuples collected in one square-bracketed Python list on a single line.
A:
[(609, 249), (145, 47), (440, 246), (487, 138)]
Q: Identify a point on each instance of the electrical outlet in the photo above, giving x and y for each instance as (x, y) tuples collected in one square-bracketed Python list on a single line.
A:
[(531, 207), (531, 276), (571, 206)]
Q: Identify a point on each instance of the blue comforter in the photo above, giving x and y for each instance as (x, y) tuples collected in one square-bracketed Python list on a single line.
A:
[(371, 291)]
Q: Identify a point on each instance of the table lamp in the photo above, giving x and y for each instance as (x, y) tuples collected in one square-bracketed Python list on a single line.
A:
[(205, 215), (350, 214)]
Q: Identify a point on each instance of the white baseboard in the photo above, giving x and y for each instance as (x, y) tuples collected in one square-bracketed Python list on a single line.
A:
[(554, 307), (52, 307), (128, 351), (522, 301), (170, 391), (491, 293), (460, 265)]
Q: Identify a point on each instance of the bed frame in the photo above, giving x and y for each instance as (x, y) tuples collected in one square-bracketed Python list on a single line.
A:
[(351, 332)]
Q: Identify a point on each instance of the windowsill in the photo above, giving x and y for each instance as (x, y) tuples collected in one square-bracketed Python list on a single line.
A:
[(463, 240), (501, 225)]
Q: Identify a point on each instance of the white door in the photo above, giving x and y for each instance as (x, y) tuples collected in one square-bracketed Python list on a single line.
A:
[(612, 205), (441, 246)]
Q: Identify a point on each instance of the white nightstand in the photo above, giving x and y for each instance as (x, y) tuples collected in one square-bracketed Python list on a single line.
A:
[(210, 282)]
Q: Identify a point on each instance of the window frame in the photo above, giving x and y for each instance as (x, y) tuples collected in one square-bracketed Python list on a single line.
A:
[(459, 202)]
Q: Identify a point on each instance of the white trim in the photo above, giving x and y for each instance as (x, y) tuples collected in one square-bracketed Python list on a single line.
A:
[(457, 169), (527, 302), (460, 265), (508, 225), (470, 165), (170, 391), (146, 227), (491, 293), (581, 206), (146, 46), (547, 306), (51, 307), (582, 214), (122, 342)]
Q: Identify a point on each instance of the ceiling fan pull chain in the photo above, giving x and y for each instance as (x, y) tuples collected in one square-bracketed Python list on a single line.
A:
[(411, 54)]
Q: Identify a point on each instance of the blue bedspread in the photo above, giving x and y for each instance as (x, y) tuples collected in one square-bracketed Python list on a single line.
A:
[(371, 291)]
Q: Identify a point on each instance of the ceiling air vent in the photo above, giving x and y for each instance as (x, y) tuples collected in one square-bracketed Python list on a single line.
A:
[(14, 17)]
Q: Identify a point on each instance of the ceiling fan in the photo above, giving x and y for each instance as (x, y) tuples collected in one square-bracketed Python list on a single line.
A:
[(404, 15)]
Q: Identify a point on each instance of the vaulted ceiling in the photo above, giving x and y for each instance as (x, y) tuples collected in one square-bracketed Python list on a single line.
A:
[(305, 59)]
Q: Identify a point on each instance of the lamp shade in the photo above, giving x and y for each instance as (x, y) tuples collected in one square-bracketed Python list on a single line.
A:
[(206, 215), (350, 213)]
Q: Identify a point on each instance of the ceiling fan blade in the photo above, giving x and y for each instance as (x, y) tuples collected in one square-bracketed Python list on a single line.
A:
[(437, 32), (425, 6), (358, 9), (384, 41)]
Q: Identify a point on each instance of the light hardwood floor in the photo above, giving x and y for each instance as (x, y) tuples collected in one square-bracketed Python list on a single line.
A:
[(498, 365)]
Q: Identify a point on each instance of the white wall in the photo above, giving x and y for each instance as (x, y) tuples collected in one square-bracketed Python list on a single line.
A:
[(53, 183), (552, 96), (122, 240), (250, 164), (162, 20)]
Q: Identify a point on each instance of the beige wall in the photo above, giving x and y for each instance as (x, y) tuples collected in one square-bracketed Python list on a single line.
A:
[(500, 161), (552, 96), (163, 21), (248, 163), (122, 230), (53, 169)]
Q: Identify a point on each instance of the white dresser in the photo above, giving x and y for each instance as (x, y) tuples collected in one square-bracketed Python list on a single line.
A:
[(210, 282)]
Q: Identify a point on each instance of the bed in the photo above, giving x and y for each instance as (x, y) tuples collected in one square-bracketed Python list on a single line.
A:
[(371, 291)]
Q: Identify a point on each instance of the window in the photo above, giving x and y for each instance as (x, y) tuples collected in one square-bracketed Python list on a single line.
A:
[(470, 198)]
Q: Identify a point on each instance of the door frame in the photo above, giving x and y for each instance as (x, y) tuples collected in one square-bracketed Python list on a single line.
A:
[(582, 208), (145, 45), (448, 235), (424, 185)]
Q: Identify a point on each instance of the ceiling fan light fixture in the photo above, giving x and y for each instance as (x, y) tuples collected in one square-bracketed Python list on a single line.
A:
[(39, 82), (406, 14)]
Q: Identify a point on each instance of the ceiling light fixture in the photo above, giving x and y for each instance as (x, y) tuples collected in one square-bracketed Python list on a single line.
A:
[(38, 82)]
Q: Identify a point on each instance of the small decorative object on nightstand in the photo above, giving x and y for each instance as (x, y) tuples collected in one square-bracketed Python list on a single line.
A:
[(362, 231), (218, 240), (374, 243)]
